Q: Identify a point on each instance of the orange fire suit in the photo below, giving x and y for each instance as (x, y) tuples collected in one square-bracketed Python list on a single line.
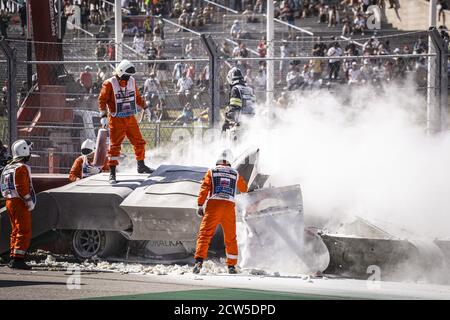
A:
[(17, 188), (121, 98), (219, 186), (81, 169)]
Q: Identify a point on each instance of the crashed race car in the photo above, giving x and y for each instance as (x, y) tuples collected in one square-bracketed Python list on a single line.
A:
[(148, 216), (151, 218)]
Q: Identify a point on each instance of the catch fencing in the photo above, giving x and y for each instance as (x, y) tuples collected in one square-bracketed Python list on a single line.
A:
[(59, 110)]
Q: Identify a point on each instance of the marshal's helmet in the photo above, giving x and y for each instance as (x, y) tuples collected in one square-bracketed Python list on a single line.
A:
[(234, 76)]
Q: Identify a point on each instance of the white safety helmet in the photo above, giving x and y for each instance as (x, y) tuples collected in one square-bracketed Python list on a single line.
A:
[(21, 149), (234, 76), (87, 147), (125, 67), (225, 157)]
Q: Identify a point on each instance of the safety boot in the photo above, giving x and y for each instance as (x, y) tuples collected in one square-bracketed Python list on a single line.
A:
[(197, 266), (112, 175), (17, 263), (142, 168), (232, 270)]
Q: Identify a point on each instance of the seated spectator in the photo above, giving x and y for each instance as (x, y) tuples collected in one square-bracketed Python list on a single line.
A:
[(359, 24), (262, 48), (319, 48), (184, 88), (176, 10), (382, 50), (225, 49), (186, 117), (307, 77), (105, 31), (95, 16), (133, 7), (371, 45), (208, 14), (236, 30), (111, 50), (153, 91), (346, 26), (129, 29), (249, 15), (420, 46), (86, 79), (237, 49), (354, 74), (293, 79), (283, 100), (196, 19), (100, 50)]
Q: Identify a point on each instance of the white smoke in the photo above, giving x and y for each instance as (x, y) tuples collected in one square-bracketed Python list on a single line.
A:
[(367, 156), (370, 157)]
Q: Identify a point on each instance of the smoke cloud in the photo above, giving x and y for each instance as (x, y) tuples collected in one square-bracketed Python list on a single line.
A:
[(366, 156), (362, 153)]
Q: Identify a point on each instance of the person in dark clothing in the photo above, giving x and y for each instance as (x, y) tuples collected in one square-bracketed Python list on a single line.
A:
[(4, 22), (241, 99), (84, 15), (23, 17)]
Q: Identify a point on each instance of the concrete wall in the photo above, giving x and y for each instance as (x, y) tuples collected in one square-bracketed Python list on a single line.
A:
[(411, 15)]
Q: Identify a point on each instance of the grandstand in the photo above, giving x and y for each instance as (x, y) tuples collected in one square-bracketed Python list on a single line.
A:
[(316, 25)]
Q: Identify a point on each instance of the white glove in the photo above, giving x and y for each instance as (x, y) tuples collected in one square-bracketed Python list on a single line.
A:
[(104, 122), (200, 211), (94, 170), (30, 204)]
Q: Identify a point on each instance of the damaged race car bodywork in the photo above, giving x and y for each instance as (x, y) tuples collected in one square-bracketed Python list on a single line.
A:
[(155, 214)]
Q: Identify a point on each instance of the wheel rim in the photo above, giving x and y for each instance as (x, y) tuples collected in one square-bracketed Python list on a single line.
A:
[(87, 243)]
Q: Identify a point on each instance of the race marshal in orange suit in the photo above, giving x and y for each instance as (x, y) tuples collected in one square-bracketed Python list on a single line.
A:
[(219, 188), (118, 102)]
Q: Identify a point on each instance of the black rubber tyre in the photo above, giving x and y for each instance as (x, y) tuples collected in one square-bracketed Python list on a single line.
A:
[(89, 243)]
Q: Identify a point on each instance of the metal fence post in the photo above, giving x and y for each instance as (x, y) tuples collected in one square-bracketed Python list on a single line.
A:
[(11, 57), (444, 85), (158, 135), (214, 79), (437, 96)]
